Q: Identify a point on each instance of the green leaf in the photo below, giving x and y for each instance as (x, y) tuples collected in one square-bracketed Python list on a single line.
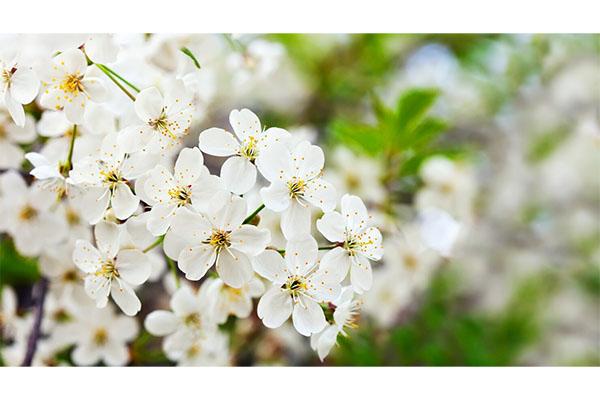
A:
[(362, 138), (14, 268), (412, 107), (191, 55)]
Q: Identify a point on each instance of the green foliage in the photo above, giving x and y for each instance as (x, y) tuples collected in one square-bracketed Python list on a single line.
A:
[(14, 268), (445, 331)]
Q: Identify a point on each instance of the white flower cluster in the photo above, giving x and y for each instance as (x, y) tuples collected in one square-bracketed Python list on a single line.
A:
[(121, 183)]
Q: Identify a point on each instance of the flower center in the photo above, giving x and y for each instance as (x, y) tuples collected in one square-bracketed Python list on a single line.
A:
[(220, 239), (410, 261), (111, 177), (27, 213), (7, 75), (296, 188), (163, 126), (193, 320), (72, 217), (100, 336), (182, 195), (295, 285), (108, 270), (355, 243), (249, 150), (352, 182), (70, 276), (193, 351), (72, 84)]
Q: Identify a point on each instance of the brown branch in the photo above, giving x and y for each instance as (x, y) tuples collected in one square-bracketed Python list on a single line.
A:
[(39, 296)]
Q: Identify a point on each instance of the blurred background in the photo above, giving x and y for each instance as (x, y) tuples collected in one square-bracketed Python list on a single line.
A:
[(500, 131)]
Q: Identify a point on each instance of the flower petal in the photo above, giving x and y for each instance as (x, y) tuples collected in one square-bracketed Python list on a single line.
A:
[(295, 221), (271, 265), (133, 266), (238, 174), (218, 142), (234, 268), (86, 257), (161, 322), (250, 240), (124, 202), (125, 298), (149, 104), (308, 317), (189, 166), (194, 261), (276, 196), (361, 274), (24, 85), (107, 238), (332, 225), (274, 307), (244, 123)]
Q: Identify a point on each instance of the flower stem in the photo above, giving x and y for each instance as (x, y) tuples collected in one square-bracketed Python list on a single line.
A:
[(69, 162), (32, 341), (254, 214), (173, 269), (191, 55), (112, 72), (116, 82), (158, 241)]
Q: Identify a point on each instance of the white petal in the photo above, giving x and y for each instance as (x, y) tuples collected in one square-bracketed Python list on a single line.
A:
[(207, 191), (321, 193), (149, 104), (11, 156), (275, 163), (184, 302), (295, 221), (124, 202), (361, 274), (276, 197), (161, 322), (238, 174), (71, 61), (355, 212), (24, 85), (250, 240), (86, 257), (107, 238), (308, 318), (332, 225), (133, 266), (371, 247), (308, 160), (93, 203), (173, 244), (326, 341), (74, 109), (194, 227), (244, 123), (134, 138), (301, 254), (189, 166), (98, 288), (115, 354), (101, 48), (160, 217), (234, 268), (53, 124), (439, 230), (274, 307), (195, 261), (337, 262), (15, 109), (95, 89), (218, 142), (125, 298), (271, 265), (86, 354), (231, 214)]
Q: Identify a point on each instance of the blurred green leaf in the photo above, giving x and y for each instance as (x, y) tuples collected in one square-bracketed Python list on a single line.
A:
[(412, 107), (14, 268)]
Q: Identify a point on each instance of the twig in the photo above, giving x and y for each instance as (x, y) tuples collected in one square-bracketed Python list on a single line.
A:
[(40, 297), (250, 217)]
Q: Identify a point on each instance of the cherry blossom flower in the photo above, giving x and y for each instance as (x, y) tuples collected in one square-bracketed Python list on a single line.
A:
[(110, 271), (295, 184), (218, 238), (101, 335), (226, 300), (104, 179), (101, 48), (358, 242), (165, 120), (25, 214), (11, 136), (68, 85), (299, 285), (344, 316), (239, 171), (190, 186), (18, 85)]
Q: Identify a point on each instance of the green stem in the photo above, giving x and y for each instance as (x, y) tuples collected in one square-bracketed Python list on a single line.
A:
[(173, 269), (254, 214), (116, 82), (158, 241), (112, 72), (191, 55), (69, 162)]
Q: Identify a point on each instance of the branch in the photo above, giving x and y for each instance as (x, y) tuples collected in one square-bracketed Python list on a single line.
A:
[(40, 297)]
